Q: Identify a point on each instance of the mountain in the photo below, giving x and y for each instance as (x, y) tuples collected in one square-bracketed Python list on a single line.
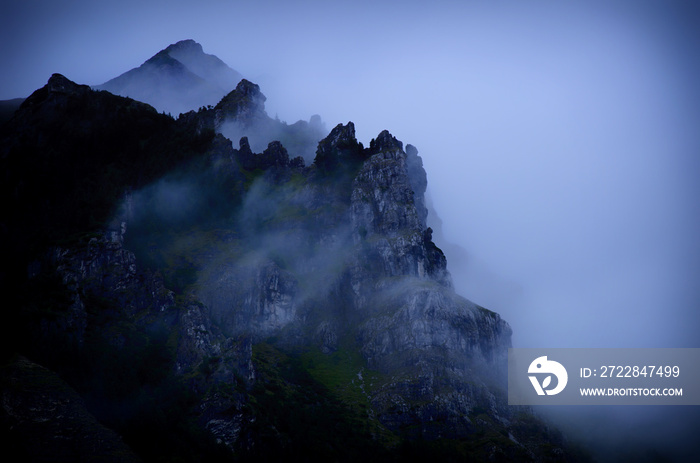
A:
[(182, 79), (8, 108), (177, 79), (206, 302)]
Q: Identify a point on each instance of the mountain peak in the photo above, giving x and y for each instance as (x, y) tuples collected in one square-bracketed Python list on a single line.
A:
[(249, 89), (59, 86), (177, 79), (340, 145), (163, 58), (385, 141), (58, 83), (185, 45)]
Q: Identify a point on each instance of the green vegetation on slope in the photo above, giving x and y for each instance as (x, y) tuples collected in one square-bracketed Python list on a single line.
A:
[(297, 418)]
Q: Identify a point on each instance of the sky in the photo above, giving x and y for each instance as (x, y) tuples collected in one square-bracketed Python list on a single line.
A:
[(560, 139)]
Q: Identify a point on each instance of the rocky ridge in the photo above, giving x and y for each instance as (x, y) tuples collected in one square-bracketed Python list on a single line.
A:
[(241, 113)]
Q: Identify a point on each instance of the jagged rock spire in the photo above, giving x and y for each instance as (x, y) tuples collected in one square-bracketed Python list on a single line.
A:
[(339, 145), (385, 142)]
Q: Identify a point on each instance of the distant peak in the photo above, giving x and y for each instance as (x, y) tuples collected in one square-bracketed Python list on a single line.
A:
[(163, 58), (179, 78), (188, 45)]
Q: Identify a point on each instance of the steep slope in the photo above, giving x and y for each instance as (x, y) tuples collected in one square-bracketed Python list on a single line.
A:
[(45, 413), (209, 302), (350, 265), (206, 66), (8, 108), (177, 79)]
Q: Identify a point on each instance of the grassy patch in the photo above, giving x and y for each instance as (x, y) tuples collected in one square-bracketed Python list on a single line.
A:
[(298, 418)]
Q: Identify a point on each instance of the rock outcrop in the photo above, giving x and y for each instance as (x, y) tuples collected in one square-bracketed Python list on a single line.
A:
[(255, 297), (245, 104)]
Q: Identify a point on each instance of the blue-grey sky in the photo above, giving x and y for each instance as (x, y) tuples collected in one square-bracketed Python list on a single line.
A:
[(561, 139)]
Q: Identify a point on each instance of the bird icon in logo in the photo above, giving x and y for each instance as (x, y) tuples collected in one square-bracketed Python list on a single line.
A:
[(542, 365)]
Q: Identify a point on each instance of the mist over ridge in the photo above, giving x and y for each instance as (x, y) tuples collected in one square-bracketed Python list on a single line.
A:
[(559, 144), (218, 286)]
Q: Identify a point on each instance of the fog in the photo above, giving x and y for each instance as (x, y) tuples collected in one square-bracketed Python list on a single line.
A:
[(561, 142)]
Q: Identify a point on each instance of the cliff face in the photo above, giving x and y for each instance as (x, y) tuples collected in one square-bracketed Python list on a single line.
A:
[(354, 265), (253, 297)]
